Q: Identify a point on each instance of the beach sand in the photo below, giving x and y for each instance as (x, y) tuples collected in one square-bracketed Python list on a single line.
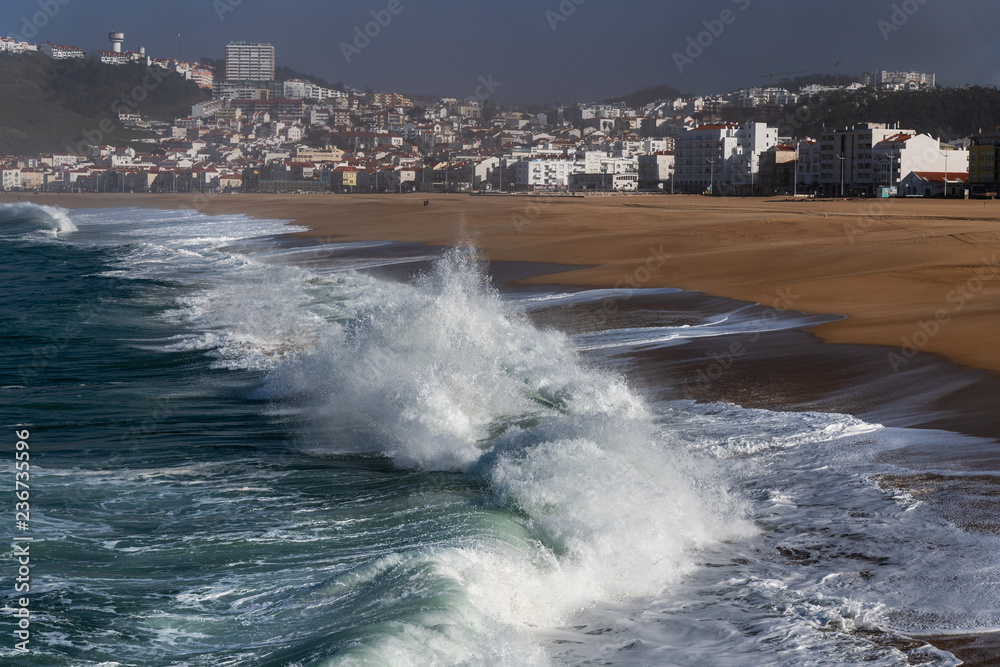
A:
[(911, 274)]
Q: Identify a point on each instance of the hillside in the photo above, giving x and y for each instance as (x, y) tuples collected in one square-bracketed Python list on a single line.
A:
[(54, 105), (947, 113)]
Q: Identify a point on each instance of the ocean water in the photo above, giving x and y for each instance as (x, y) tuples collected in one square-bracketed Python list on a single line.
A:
[(250, 452)]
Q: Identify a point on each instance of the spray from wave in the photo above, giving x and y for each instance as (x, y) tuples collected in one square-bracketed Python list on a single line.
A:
[(594, 499), (24, 218)]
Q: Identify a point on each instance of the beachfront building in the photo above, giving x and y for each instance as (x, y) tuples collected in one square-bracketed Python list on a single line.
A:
[(722, 159), (543, 173), (344, 179), (847, 164), (934, 184), (984, 162), (859, 159), (777, 169), (604, 182), (10, 179), (901, 154), (656, 170), (249, 62), (807, 167)]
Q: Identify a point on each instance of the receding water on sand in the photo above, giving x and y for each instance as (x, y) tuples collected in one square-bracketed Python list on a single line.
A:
[(250, 452)]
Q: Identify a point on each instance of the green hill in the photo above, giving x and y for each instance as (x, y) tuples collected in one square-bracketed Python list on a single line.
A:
[(57, 105)]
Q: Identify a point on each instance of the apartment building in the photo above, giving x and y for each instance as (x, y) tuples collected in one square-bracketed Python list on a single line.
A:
[(249, 62), (846, 157), (858, 159), (722, 159), (656, 170), (60, 51), (543, 172)]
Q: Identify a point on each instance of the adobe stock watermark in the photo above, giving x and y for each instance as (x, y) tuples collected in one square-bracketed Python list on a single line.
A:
[(876, 211), (130, 101), (655, 261), (900, 16), (957, 299), (47, 10), (723, 362), (697, 44), (562, 13), (223, 7), (363, 36), (487, 86), (136, 433), (530, 213)]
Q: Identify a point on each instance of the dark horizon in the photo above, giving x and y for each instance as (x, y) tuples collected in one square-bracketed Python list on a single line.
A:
[(546, 52)]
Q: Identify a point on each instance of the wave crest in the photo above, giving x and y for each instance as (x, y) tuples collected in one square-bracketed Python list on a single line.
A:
[(24, 217)]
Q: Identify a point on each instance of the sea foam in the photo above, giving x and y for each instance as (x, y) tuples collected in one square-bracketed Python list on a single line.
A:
[(21, 218)]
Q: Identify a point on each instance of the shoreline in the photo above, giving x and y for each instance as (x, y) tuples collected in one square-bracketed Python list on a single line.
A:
[(913, 275), (726, 232)]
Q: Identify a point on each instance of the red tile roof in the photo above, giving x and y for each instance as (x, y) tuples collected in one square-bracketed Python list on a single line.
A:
[(938, 176)]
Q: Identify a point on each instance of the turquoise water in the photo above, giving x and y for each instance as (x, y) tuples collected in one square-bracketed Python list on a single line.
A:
[(242, 455)]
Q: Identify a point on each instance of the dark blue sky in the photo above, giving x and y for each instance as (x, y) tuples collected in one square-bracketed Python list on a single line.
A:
[(602, 48)]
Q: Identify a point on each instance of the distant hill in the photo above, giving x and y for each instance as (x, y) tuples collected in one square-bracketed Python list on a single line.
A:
[(946, 113), (800, 82), (51, 105), (647, 95)]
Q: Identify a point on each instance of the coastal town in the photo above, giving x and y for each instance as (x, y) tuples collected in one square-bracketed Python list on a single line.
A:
[(257, 134)]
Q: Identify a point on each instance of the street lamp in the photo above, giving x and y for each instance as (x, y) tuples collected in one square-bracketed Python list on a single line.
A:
[(795, 186), (841, 157), (945, 154), (711, 185)]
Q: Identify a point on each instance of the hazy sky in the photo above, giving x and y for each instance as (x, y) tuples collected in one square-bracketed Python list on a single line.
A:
[(546, 50)]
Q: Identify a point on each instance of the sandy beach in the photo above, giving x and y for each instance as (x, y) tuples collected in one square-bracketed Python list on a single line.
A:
[(910, 274)]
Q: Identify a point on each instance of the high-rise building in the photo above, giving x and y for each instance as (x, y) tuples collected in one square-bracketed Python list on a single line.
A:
[(249, 62)]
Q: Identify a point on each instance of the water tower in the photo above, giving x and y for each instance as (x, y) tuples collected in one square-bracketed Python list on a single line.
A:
[(116, 38)]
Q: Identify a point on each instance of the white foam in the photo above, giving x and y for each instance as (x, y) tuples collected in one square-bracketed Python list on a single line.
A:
[(24, 217)]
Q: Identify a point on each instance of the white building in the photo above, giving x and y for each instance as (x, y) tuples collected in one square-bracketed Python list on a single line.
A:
[(10, 179), (599, 162), (13, 46), (543, 172), (846, 156), (721, 158), (808, 165), (899, 155), (249, 62), (306, 90), (933, 184), (655, 170), (898, 80), (60, 52)]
